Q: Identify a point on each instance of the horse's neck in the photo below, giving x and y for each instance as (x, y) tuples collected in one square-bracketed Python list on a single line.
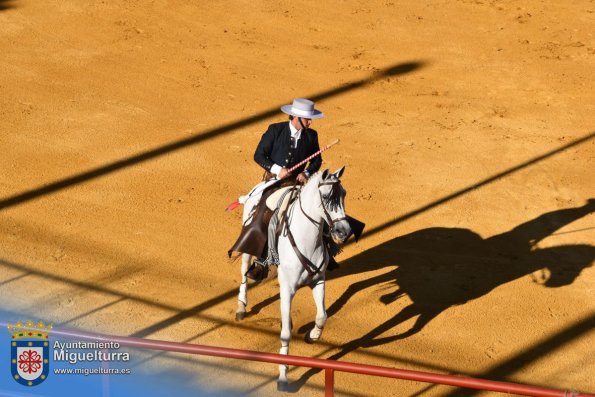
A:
[(301, 224)]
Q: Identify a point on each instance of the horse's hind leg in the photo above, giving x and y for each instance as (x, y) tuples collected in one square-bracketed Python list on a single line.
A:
[(318, 293), (243, 295), (286, 297)]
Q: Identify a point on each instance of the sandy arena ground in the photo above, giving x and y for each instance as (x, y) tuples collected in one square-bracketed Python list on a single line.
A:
[(467, 128)]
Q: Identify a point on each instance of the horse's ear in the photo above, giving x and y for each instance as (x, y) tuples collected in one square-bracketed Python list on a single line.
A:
[(324, 174), (339, 172)]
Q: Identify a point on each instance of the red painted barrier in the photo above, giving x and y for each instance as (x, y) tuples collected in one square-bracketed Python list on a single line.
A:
[(328, 365)]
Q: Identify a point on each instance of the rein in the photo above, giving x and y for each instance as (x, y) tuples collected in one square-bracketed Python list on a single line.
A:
[(310, 267)]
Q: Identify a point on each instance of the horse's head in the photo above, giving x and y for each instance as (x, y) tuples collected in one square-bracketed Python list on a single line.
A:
[(332, 196)]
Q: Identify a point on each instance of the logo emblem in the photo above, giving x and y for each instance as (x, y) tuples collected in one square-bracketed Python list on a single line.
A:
[(29, 352)]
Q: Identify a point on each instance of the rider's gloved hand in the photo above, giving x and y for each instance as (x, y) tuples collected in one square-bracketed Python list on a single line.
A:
[(283, 173), (302, 178)]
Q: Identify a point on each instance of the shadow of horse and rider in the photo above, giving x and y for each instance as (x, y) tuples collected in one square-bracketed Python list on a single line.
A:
[(439, 267)]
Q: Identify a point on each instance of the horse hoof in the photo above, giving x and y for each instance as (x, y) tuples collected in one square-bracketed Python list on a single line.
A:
[(308, 339), (282, 385), (240, 316)]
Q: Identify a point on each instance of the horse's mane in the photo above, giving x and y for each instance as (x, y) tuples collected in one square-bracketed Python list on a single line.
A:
[(333, 199)]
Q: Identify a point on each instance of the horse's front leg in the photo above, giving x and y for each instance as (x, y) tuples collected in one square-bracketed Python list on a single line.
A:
[(243, 295), (318, 293), (287, 294)]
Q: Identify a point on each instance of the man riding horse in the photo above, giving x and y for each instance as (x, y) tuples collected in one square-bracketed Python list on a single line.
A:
[(288, 143), (281, 147)]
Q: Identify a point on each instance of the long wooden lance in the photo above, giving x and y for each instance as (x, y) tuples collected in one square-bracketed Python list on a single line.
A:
[(259, 188)]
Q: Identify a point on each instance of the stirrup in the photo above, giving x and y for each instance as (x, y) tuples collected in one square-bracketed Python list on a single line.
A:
[(258, 271)]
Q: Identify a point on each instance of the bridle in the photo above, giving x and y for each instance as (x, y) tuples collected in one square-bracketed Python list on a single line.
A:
[(310, 267), (329, 220)]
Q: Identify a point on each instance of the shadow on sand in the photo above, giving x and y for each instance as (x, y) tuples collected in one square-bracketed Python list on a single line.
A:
[(6, 4), (438, 268), (232, 127)]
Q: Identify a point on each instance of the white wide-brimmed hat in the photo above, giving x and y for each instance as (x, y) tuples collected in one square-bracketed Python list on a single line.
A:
[(302, 108)]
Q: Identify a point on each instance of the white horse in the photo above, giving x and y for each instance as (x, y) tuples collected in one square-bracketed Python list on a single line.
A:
[(303, 258)]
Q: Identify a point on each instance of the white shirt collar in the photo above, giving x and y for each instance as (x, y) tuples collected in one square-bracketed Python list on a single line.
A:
[(295, 133)]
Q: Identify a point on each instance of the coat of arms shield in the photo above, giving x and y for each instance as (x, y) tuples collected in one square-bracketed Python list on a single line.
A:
[(29, 353)]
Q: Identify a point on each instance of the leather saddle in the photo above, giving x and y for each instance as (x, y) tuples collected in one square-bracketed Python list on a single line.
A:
[(253, 237)]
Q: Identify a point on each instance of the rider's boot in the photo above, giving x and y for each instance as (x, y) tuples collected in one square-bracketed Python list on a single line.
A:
[(258, 271), (260, 267), (332, 264), (332, 248)]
